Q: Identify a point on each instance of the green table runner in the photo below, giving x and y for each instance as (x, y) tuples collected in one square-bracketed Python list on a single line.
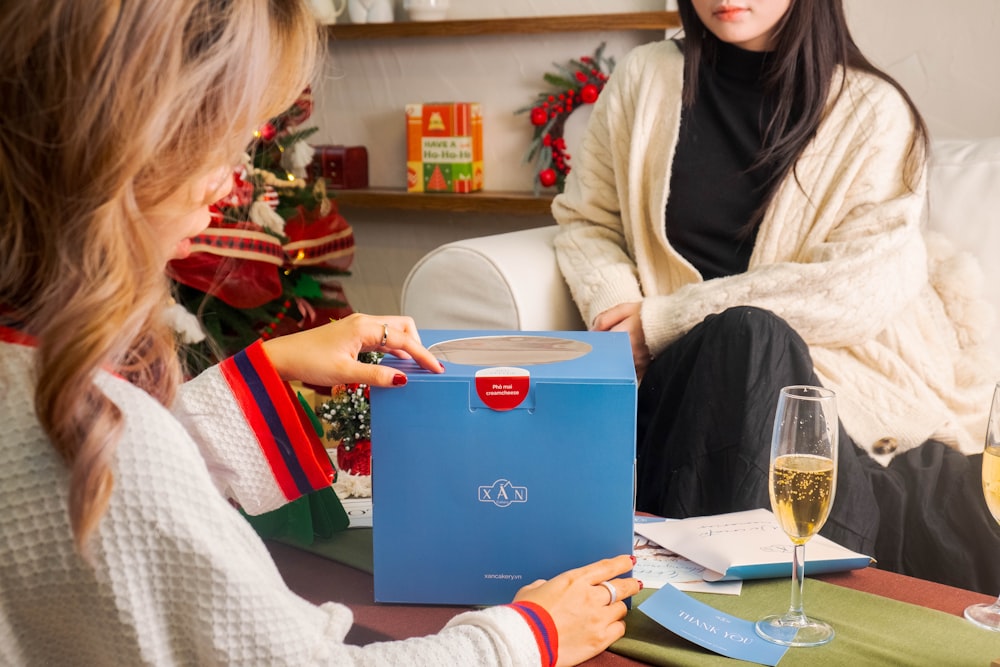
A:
[(871, 630)]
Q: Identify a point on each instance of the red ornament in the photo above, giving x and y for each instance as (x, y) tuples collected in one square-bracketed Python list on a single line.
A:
[(267, 132), (357, 460), (547, 177), (538, 116), (589, 93)]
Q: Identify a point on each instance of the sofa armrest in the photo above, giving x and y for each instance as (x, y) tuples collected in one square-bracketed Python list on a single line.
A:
[(511, 281), (506, 282)]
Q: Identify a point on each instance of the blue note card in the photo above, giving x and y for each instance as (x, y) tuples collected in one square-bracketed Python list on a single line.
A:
[(708, 627)]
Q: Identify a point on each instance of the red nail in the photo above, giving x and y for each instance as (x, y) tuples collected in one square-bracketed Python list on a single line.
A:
[(640, 584), (398, 380), (633, 559)]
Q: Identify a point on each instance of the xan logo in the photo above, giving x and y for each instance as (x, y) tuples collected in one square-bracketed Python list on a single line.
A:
[(502, 493)]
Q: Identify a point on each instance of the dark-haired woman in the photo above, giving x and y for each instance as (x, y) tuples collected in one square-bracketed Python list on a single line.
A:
[(746, 204)]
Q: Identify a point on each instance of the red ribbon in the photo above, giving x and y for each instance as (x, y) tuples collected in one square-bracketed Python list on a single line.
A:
[(241, 265)]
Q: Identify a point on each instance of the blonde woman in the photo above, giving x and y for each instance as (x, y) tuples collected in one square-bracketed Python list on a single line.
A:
[(118, 540)]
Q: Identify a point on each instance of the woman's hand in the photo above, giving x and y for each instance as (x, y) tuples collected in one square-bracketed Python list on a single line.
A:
[(586, 619), (328, 355), (625, 317)]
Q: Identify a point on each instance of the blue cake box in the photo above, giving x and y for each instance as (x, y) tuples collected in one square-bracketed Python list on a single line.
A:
[(515, 464)]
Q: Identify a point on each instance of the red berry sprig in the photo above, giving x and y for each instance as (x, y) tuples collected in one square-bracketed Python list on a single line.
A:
[(268, 331)]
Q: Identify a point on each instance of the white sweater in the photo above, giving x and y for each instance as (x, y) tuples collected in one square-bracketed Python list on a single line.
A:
[(893, 321), (180, 578)]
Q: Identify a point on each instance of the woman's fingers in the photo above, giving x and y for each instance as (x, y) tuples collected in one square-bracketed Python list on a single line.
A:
[(605, 569), (613, 591), (398, 336), (328, 355)]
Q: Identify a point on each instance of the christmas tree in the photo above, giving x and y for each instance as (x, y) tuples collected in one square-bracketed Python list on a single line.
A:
[(268, 264), (270, 261)]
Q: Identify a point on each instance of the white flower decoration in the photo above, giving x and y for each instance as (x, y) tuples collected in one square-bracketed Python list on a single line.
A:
[(184, 323)]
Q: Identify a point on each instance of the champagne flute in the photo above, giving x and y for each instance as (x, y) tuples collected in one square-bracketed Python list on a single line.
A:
[(988, 615), (802, 483)]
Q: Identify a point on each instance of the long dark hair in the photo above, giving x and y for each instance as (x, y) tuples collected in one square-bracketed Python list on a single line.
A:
[(811, 40)]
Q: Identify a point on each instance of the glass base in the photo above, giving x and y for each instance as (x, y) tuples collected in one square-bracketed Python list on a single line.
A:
[(794, 630), (985, 615)]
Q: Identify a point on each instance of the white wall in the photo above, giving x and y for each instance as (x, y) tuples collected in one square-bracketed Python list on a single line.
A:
[(366, 85), (946, 56)]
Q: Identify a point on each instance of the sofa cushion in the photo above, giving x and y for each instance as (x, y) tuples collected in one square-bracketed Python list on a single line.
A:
[(964, 192)]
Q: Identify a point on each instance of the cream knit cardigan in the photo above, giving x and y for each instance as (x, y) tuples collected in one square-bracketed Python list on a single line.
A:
[(892, 318)]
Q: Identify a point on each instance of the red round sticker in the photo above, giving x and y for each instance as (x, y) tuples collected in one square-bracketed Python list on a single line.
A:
[(502, 388)]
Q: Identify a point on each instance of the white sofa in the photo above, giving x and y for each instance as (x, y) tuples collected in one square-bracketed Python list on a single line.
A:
[(511, 281)]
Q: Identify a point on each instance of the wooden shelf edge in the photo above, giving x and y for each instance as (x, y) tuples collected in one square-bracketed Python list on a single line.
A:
[(507, 26), (509, 203)]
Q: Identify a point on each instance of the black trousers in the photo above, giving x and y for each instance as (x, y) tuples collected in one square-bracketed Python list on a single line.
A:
[(705, 413)]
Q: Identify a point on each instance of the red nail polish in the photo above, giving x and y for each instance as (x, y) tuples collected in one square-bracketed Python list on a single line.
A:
[(633, 559), (640, 584), (398, 380)]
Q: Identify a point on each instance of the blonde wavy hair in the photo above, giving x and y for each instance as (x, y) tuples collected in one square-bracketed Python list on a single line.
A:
[(108, 107)]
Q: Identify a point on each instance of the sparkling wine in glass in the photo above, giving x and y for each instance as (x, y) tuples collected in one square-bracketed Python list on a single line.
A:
[(988, 615), (802, 483)]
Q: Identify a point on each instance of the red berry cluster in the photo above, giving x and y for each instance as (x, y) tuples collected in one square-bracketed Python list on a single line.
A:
[(549, 116), (357, 460), (279, 317)]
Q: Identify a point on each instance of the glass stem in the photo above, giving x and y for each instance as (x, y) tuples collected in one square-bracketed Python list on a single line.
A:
[(798, 579)]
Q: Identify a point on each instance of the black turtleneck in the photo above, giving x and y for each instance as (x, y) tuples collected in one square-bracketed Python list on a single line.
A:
[(712, 194)]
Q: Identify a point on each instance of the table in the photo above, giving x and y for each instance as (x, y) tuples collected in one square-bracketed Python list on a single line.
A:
[(319, 580)]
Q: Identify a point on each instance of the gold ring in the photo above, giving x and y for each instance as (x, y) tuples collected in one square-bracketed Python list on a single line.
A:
[(611, 589), (385, 334)]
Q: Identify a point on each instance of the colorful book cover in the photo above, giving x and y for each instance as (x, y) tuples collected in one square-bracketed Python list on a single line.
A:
[(444, 147)]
